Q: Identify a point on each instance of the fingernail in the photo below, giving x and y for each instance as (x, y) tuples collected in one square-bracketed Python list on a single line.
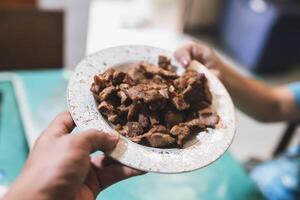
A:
[(115, 137), (184, 61)]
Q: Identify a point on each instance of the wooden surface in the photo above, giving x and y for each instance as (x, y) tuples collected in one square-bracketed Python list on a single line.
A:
[(30, 39), (17, 3)]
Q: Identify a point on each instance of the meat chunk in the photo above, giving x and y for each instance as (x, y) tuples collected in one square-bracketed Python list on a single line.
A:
[(133, 111), (106, 108), (148, 70), (107, 92), (180, 102), (108, 75), (147, 92), (123, 97), (172, 118), (181, 132), (209, 118), (160, 140), (158, 137), (118, 77), (165, 63), (131, 129), (154, 119), (100, 82), (196, 124), (114, 118), (134, 129), (144, 121)]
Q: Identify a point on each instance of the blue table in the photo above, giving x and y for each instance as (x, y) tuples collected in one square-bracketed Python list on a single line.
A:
[(224, 179)]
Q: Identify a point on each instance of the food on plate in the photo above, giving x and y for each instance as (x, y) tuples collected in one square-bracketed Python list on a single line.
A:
[(153, 105)]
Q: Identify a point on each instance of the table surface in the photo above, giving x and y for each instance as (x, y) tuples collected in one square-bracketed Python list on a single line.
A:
[(224, 179)]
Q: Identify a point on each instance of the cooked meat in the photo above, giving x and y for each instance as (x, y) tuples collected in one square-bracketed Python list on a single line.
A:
[(209, 118), (144, 121), (114, 118), (100, 82), (172, 118), (158, 137), (181, 132), (134, 129), (195, 124), (106, 108), (107, 92), (118, 77), (149, 69), (123, 108), (154, 119), (133, 111), (147, 92), (123, 97), (154, 106), (165, 63), (108, 75), (180, 102)]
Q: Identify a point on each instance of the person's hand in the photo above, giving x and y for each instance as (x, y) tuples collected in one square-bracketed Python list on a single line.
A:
[(60, 165), (203, 54)]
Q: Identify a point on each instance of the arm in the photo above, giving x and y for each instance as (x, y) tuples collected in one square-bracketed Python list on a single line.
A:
[(262, 102), (256, 99)]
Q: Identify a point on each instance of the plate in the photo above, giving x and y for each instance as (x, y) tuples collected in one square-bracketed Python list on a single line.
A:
[(207, 146)]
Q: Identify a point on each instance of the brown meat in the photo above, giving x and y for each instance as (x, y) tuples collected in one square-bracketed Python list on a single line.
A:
[(118, 77), (150, 69), (180, 103), (196, 124), (123, 97), (100, 82), (160, 140), (144, 121), (107, 92), (209, 118), (108, 74), (158, 137), (106, 108), (181, 132), (134, 129), (165, 63), (114, 118), (154, 119), (109, 111), (133, 111), (172, 118)]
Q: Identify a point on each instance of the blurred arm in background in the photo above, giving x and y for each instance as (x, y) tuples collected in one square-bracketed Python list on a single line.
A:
[(262, 102)]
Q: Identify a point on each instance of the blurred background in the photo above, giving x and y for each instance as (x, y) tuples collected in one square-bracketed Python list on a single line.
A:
[(41, 41)]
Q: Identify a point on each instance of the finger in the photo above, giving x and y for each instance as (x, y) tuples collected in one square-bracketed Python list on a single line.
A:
[(183, 55), (62, 124), (216, 72), (93, 140), (102, 161), (115, 173)]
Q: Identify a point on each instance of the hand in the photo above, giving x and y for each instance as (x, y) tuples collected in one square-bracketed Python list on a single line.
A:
[(203, 54), (60, 165)]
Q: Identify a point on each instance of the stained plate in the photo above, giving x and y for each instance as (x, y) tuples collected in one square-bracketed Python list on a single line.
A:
[(206, 147)]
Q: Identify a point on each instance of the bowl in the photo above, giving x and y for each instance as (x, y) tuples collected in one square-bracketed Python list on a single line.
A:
[(206, 146)]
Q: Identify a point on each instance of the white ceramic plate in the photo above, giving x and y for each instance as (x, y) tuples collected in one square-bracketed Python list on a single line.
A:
[(206, 147)]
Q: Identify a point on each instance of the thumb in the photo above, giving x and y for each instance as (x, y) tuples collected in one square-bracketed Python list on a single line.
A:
[(93, 140)]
